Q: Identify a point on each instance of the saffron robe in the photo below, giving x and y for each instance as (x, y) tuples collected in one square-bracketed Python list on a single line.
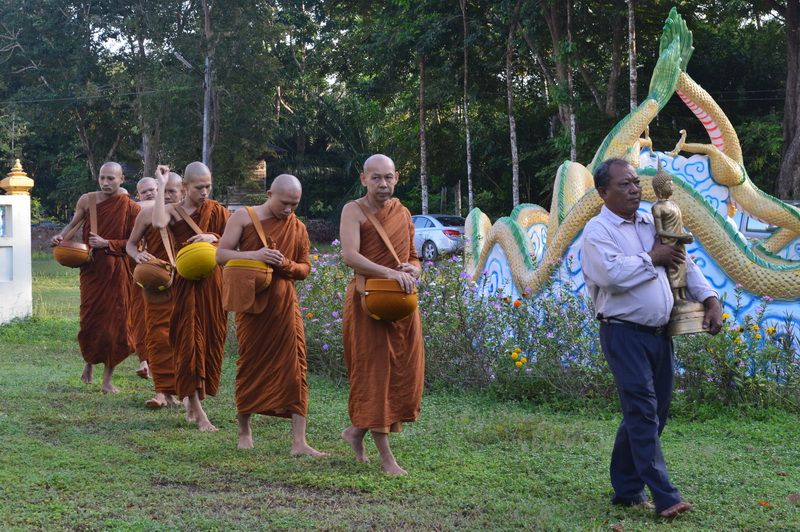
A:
[(385, 360), (198, 323), (271, 369), (136, 323), (106, 284), (157, 316)]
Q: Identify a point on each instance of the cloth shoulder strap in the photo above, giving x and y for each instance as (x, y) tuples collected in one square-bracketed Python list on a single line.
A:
[(257, 223), (187, 219), (92, 217), (378, 227), (167, 241)]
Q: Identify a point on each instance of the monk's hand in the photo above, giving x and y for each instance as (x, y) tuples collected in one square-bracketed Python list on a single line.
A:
[(270, 256), (143, 257), (162, 174), (56, 240), (410, 269), (97, 242), (712, 320), (407, 282), (667, 256), (205, 237)]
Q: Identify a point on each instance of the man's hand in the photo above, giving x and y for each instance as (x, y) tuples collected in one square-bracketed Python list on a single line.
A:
[(668, 256), (406, 281), (712, 321), (273, 257), (202, 238), (162, 174), (56, 240), (410, 269), (143, 257), (97, 242)]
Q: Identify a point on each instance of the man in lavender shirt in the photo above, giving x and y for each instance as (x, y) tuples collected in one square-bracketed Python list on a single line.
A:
[(624, 268)]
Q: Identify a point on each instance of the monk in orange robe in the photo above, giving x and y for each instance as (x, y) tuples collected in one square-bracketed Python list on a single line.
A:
[(146, 194), (157, 306), (271, 369), (105, 282), (385, 360), (198, 324)]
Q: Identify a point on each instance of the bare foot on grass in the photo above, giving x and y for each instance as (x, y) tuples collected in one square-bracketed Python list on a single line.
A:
[(675, 510), (144, 370), (107, 387), (170, 400), (159, 401), (391, 468), (191, 416), (305, 449), (88, 374), (355, 438), (205, 425)]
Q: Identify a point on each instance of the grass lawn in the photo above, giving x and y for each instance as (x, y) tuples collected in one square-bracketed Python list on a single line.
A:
[(73, 458)]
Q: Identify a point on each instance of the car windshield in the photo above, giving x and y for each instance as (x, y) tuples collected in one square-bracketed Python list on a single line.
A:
[(450, 221)]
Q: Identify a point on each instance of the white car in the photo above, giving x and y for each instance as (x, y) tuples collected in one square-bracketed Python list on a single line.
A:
[(437, 234)]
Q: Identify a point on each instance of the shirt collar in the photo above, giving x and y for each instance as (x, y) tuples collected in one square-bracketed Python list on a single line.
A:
[(606, 213)]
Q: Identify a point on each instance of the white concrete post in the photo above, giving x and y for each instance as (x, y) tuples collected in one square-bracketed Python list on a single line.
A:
[(16, 296)]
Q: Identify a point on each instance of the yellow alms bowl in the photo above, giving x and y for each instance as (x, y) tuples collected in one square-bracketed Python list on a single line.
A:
[(196, 261)]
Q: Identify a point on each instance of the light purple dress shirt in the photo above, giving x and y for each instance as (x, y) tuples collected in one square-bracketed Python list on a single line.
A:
[(620, 276)]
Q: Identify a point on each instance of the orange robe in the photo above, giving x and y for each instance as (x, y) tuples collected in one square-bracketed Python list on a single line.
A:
[(271, 369), (385, 360), (106, 285), (157, 316), (198, 324), (137, 323)]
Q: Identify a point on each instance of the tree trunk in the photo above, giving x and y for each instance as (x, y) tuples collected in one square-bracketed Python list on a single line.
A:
[(423, 141), (618, 37), (512, 123), (151, 136), (788, 182), (470, 199), (573, 126), (211, 115), (632, 52)]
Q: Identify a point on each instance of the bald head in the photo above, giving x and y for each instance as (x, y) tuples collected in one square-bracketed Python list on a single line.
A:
[(146, 189), (378, 160), (195, 170), (174, 179), (111, 168), (286, 183)]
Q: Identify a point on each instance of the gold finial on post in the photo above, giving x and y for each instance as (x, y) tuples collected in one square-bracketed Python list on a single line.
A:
[(17, 183)]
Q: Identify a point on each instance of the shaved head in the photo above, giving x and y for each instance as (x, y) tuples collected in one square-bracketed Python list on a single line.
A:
[(286, 183), (146, 188), (111, 168), (378, 160), (195, 170), (173, 179)]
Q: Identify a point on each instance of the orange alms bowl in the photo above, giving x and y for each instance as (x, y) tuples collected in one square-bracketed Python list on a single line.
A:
[(242, 269), (385, 299), (72, 254), (155, 274)]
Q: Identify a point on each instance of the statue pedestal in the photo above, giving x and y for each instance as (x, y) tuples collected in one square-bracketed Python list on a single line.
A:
[(687, 320)]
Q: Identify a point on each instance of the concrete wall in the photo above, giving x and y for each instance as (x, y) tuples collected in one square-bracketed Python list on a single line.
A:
[(16, 298)]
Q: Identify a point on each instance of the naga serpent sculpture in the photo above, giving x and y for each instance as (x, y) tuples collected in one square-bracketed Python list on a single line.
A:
[(756, 269)]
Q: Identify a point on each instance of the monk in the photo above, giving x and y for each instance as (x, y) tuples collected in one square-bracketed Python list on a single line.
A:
[(271, 369), (105, 282), (157, 307), (385, 360), (145, 194), (198, 323)]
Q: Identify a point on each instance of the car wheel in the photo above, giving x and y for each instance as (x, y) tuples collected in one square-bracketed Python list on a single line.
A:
[(429, 251)]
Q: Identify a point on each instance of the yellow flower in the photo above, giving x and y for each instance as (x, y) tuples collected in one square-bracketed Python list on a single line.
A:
[(523, 360), (726, 316), (514, 356), (738, 340), (316, 257), (518, 364), (770, 330), (758, 337), (755, 327), (518, 350)]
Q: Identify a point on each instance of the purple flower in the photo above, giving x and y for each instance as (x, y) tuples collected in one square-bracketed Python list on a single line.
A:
[(463, 275), (335, 313), (324, 346), (335, 242)]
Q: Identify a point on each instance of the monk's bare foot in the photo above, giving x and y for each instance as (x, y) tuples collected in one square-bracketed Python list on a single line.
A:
[(108, 388), (350, 435), (144, 370), (191, 416), (88, 374), (675, 509), (205, 425), (170, 400), (391, 468), (304, 449), (245, 440), (155, 403)]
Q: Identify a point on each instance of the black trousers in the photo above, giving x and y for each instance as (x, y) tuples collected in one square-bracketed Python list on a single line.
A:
[(642, 364)]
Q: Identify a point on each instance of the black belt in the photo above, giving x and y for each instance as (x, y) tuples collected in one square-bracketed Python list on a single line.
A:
[(655, 331)]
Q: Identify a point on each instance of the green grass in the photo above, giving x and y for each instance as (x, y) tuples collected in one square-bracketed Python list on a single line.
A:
[(73, 458)]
